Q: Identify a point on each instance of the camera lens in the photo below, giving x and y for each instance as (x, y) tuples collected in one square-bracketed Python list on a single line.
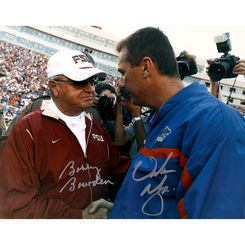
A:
[(218, 70)]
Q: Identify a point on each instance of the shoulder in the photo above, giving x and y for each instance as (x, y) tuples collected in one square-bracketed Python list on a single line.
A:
[(25, 110), (34, 105), (30, 120), (215, 120), (32, 115)]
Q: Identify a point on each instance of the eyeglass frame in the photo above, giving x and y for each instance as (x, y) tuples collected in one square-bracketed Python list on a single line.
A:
[(92, 80)]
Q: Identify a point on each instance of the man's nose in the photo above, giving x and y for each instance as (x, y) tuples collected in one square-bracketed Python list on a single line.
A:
[(90, 88)]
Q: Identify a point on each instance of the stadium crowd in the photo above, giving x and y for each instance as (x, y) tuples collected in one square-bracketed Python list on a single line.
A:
[(24, 72)]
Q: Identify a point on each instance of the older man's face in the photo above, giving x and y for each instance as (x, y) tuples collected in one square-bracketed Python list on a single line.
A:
[(72, 99)]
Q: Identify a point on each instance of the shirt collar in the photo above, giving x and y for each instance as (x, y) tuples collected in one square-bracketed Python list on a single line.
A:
[(183, 95), (80, 119)]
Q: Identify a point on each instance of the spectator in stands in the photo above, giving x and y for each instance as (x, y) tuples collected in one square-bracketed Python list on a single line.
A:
[(192, 162), (48, 168)]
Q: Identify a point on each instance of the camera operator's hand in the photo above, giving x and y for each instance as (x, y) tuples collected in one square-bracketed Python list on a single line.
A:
[(132, 108), (118, 94), (98, 209), (239, 69), (209, 61)]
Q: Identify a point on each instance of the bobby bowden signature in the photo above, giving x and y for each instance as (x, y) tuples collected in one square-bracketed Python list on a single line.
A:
[(72, 181), (160, 189)]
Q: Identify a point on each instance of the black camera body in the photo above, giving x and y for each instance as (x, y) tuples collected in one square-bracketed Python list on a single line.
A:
[(222, 67), (186, 64), (106, 107)]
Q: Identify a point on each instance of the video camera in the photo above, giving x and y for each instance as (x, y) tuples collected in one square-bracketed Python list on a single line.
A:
[(222, 67), (186, 64)]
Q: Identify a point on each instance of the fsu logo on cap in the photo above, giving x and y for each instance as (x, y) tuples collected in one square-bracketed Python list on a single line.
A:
[(80, 57), (166, 131)]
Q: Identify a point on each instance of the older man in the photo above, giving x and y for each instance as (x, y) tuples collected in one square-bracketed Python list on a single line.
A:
[(58, 159)]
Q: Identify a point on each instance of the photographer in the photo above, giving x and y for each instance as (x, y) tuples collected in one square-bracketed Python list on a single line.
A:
[(187, 64), (105, 108), (135, 131), (239, 69), (227, 66), (105, 101)]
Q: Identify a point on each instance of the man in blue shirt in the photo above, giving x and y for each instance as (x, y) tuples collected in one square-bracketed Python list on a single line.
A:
[(192, 163)]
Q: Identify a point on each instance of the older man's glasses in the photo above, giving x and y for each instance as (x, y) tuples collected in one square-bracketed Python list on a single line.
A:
[(92, 80)]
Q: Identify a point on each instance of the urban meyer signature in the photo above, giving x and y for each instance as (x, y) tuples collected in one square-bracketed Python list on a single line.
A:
[(157, 191)]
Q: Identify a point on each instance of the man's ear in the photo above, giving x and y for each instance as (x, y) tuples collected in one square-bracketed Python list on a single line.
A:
[(146, 65), (54, 87)]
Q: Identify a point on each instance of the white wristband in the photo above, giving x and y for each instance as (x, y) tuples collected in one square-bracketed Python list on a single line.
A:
[(135, 119)]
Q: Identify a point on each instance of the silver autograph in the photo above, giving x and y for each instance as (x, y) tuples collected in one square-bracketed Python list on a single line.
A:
[(71, 183), (160, 189)]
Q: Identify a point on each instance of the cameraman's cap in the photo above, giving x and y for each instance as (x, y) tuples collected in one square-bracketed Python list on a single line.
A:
[(73, 64)]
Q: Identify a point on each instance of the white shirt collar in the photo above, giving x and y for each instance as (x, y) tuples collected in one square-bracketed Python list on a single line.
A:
[(80, 119), (76, 124)]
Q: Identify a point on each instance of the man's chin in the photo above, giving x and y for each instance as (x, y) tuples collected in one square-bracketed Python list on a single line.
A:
[(136, 102), (86, 106)]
